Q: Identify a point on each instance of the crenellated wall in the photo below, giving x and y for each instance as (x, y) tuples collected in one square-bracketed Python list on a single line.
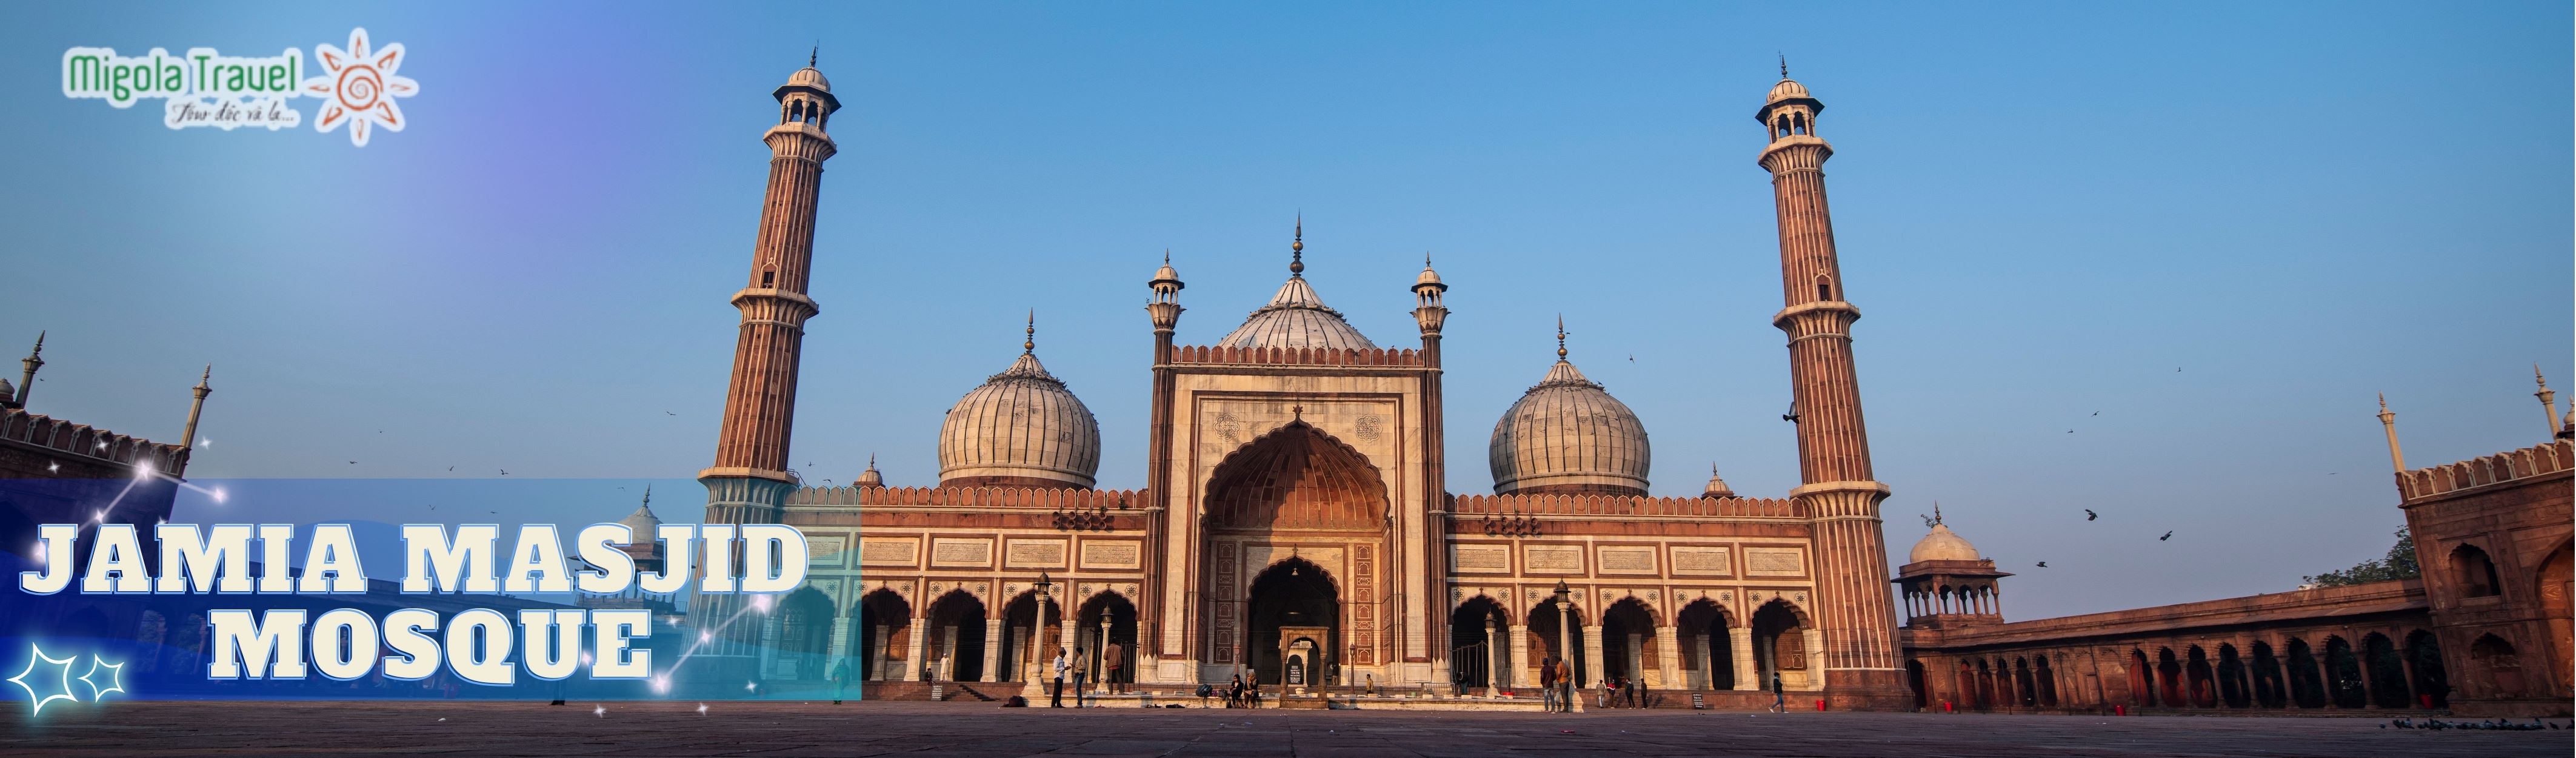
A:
[(1616, 505), (85, 443), (1296, 356), (969, 497), (2478, 472)]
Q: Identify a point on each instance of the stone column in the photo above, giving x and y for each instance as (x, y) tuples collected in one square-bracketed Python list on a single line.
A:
[(1668, 641), (1815, 642), (1024, 646), (1747, 676), (840, 638), (768, 645), (1635, 665), (948, 652), (877, 653), (992, 651), (1591, 656), (1707, 664), (1493, 654), (916, 636), (1520, 655)]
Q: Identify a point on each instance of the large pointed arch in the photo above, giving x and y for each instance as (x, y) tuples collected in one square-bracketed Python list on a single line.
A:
[(1297, 477)]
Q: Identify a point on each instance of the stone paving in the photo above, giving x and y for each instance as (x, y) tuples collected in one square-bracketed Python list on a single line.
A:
[(958, 729)]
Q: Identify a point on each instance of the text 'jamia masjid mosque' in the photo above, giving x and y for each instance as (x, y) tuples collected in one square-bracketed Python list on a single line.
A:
[(1294, 526)]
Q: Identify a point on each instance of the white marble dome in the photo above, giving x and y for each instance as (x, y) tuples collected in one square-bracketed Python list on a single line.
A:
[(1942, 545), (1021, 428), (1567, 436), (1296, 317)]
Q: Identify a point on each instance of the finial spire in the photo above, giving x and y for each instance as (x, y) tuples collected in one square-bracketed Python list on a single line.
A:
[(1560, 336), (817, 54), (648, 496), (1297, 249), (1784, 65), (1167, 256), (1029, 343), (1936, 513)]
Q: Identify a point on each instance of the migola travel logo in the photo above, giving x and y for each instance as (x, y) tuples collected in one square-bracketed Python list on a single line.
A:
[(357, 84)]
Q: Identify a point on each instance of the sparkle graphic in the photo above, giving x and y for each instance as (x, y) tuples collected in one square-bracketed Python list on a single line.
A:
[(361, 86), (115, 677), (65, 693), (702, 709), (599, 710)]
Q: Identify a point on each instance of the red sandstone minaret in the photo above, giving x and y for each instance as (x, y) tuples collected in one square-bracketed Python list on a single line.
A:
[(1853, 605), (750, 481)]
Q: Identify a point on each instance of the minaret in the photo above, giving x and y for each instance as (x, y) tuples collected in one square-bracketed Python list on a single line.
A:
[(1853, 606), (1431, 314), (35, 360), (1164, 308), (188, 437), (749, 482), (2388, 422), (2548, 400)]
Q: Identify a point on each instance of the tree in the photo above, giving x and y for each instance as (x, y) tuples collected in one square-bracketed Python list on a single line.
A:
[(2399, 564)]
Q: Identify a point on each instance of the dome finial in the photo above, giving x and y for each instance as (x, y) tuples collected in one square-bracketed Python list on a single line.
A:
[(1936, 513), (815, 54), (648, 494), (1297, 249), (1029, 342), (1560, 336), (1784, 65)]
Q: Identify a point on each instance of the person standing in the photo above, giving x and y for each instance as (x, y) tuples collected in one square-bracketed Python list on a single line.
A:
[(1547, 682), (1779, 695), (1055, 698), (1078, 675), (1629, 688), (1565, 683), (1110, 666), (840, 678)]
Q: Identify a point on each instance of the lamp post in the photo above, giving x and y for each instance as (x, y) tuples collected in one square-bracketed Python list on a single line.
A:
[(1565, 630), (1042, 586)]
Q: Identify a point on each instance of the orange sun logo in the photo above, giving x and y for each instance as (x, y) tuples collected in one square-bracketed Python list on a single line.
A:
[(360, 85)]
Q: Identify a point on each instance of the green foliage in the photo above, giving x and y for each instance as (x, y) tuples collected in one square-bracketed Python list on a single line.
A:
[(2399, 564)]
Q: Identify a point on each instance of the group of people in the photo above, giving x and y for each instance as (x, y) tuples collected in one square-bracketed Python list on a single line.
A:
[(1112, 662), (1556, 684)]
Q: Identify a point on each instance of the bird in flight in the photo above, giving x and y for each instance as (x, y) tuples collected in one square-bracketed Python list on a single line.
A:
[(2090, 515), (505, 472), (2168, 535), (2097, 413), (353, 463), (668, 413), (2043, 564), (2070, 431)]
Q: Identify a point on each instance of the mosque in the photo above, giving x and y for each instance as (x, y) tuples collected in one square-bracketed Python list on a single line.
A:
[(1295, 528)]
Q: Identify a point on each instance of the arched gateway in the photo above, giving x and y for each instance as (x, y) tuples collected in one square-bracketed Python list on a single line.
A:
[(1303, 511)]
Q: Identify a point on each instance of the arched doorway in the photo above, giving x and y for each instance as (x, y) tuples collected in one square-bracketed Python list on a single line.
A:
[(1292, 593), (2343, 675), (1554, 634), (2201, 680), (2270, 691), (2556, 584), (1298, 489), (1627, 641), (2231, 677), (884, 622), (1708, 645), (804, 635), (2387, 674), (1109, 613), (2169, 678), (2305, 689), (1779, 645), (955, 650), (2047, 681), (2432, 685), (1922, 688), (1026, 645), (1479, 654)]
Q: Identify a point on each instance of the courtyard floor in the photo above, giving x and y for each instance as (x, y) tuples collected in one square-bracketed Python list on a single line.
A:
[(980, 729)]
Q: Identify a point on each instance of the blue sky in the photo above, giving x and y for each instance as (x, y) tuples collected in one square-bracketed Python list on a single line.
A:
[(2044, 210)]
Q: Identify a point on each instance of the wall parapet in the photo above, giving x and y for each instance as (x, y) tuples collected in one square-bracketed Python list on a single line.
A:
[(1033, 498), (1296, 356), (1624, 505), (2537, 460), (84, 441)]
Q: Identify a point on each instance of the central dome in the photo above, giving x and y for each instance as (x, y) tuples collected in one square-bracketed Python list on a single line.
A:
[(1021, 428), (1296, 318), (1567, 436)]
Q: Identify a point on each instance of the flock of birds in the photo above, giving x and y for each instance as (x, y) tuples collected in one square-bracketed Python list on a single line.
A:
[(2089, 515)]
